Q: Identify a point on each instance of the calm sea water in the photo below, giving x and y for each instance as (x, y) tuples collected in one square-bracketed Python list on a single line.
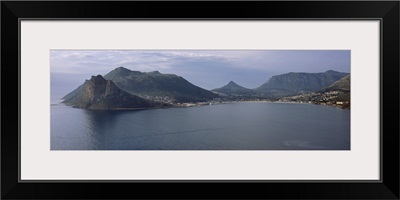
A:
[(232, 126)]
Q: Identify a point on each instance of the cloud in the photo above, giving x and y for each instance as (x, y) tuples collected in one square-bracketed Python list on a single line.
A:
[(206, 68), (64, 61)]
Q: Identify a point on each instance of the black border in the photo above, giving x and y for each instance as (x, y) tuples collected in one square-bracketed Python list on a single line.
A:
[(387, 11)]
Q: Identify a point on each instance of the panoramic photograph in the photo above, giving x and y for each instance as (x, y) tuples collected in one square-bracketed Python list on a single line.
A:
[(200, 99)]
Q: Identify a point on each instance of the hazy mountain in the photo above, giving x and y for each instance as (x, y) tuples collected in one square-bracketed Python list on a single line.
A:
[(337, 94), (234, 89), (157, 86), (341, 88), (298, 83), (343, 84), (101, 94)]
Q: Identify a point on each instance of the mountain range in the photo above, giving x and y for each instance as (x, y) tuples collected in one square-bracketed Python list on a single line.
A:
[(157, 86), (298, 83), (337, 94), (283, 85), (122, 88)]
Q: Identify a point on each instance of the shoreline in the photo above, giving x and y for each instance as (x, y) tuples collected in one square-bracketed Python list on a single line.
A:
[(286, 102), (198, 104)]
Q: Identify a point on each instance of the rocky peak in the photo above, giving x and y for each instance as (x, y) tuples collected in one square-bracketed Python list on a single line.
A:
[(234, 89), (121, 69), (154, 72), (101, 94), (231, 83), (95, 88), (97, 79), (331, 72)]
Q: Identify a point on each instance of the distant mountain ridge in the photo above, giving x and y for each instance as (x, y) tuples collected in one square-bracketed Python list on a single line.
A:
[(234, 89), (122, 88), (343, 84), (336, 94), (100, 94), (155, 85), (342, 90), (297, 83)]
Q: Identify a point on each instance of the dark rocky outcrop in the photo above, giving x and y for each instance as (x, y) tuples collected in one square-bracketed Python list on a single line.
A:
[(101, 94)]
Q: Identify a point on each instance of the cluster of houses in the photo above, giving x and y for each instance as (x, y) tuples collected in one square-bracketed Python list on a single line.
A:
[(326, 98)]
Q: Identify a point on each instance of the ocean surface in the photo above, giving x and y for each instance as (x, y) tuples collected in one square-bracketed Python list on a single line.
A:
[(229, 126)]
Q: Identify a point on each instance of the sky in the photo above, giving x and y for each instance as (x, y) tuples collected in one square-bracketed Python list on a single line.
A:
[(208, 69)]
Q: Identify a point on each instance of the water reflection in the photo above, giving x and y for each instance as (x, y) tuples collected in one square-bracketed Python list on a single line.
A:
[(241, 126), (100, 126)]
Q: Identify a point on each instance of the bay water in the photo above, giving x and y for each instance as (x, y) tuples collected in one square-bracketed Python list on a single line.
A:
[(227, 126)]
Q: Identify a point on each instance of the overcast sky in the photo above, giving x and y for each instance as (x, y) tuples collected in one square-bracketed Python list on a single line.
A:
[(207, 69)]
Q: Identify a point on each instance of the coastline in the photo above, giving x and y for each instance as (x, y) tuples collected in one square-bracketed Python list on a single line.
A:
[(198, 104), (287, 102)]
